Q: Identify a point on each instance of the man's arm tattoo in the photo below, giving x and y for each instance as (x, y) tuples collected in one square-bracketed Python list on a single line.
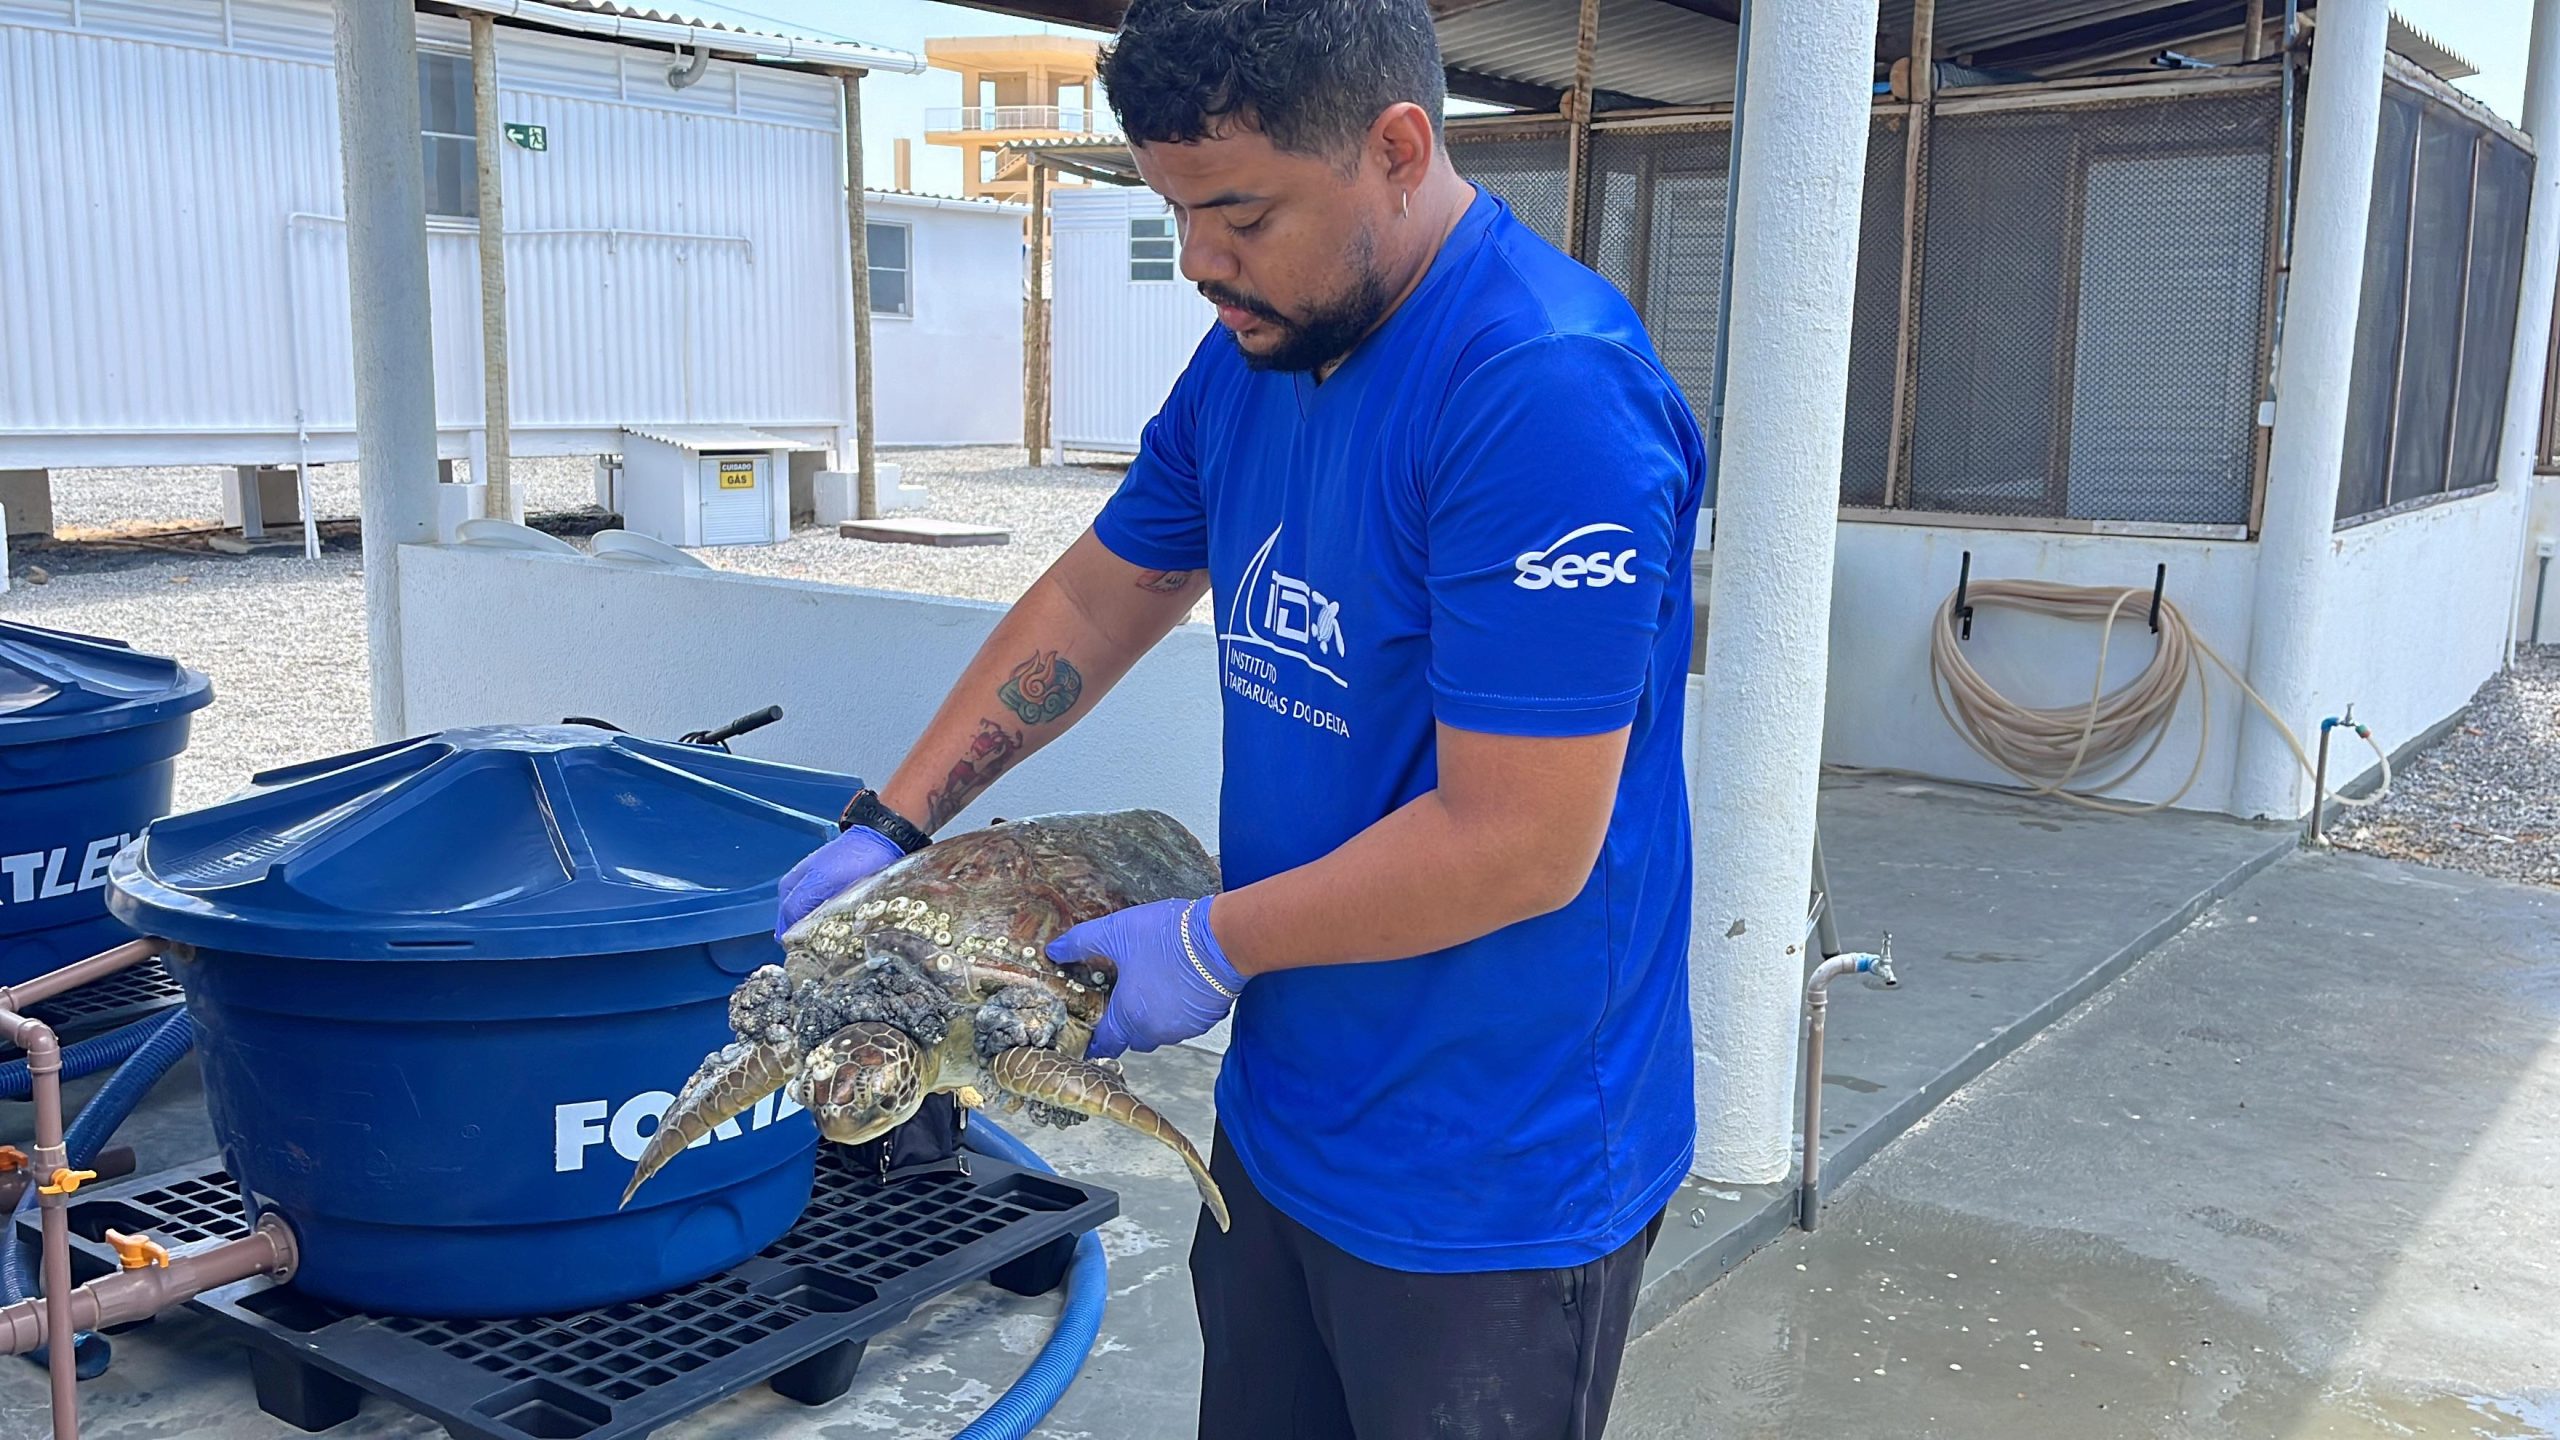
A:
[(1041, 688), (988, 753), (1164, 582)]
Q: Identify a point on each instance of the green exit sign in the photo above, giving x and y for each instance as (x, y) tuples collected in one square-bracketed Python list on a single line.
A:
[(531, 137)]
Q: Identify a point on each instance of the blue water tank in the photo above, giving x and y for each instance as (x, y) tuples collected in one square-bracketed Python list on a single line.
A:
[(90, 732), (440, 986)]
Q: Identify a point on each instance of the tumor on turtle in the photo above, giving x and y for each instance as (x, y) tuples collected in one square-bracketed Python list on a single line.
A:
[(931, 976)]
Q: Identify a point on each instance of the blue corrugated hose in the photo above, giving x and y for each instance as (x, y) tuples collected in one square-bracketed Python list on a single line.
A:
[(1079, 1324), (166, 1043), (86, 1058)]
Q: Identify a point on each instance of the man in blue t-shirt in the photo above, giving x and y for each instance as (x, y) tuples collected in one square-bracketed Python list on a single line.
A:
[(1444, 497)]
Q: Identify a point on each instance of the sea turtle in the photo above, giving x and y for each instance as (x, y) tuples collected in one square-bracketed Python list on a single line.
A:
[(932, 976)]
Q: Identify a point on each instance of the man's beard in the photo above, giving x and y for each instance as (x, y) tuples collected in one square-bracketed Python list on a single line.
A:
[(1327, 332)]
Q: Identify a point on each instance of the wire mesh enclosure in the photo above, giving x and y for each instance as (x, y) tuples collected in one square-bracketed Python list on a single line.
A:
[(2444, 263), (2088, 337), (2091, 310), (1522, 164)]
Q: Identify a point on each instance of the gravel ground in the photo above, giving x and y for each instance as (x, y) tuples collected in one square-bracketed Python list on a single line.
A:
[(2486, 797), (283, 638)]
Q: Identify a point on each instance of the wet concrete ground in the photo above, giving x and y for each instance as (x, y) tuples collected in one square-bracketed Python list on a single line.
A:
[(2296, 1175)]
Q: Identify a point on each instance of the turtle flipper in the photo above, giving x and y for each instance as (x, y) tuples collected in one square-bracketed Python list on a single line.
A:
[(729, 1083), (1086, 1088)]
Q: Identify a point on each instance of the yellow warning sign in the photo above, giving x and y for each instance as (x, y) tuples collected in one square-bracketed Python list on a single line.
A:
[(737, 474)]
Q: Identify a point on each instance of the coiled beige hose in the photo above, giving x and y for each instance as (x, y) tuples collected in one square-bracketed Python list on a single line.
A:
[(2049, 748)]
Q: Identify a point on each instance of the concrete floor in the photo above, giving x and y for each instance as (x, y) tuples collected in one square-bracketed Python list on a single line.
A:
[(2296, 1175), (2311, 1131)]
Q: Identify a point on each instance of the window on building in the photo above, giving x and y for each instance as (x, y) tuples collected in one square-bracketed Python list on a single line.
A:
[(2444, 260), (1151, 248), (1071, 108), (987, 159), (892, 290), (445, 143)]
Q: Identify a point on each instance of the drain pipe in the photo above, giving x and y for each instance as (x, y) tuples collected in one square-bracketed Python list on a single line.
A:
[(681, 76), (50, 1169), (2542, 549), (151, 1280), (1817, 1004)]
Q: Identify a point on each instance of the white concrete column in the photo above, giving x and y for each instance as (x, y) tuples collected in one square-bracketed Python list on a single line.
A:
[(2533, 304), (1795, 271), (2294, 537), (395, 369)]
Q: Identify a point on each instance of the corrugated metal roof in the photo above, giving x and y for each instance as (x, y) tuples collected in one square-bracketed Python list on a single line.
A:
[(715, 437), (1668, 52), (668, 25)]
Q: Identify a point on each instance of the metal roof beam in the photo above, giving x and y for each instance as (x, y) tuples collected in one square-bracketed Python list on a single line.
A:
[(1093, 14), (2167, 25), (1728, 11), (1529, 95)]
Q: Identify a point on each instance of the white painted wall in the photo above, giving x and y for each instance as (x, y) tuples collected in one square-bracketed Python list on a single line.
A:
[(2543, 521), (1118, 343), (950, 372), (173, 265), (1891, 579), (856, 672), (2416, 619)]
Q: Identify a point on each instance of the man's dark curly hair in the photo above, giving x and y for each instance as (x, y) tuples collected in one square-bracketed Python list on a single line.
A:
[(1311, 75)]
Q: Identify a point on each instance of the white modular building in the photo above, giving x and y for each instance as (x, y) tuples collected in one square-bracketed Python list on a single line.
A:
[(1125, 321), (173, 239)]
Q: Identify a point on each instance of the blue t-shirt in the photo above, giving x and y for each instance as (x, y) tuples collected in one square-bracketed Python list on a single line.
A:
[(1484, 517)]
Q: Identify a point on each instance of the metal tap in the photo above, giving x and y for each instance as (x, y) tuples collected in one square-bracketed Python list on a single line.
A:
[(1817, 1000)]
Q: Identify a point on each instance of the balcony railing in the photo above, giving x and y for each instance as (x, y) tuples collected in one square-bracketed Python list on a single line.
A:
[(1071, 120)]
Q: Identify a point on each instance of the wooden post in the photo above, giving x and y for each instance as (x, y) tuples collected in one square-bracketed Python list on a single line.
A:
[(1922, 79), (495, 419), (857, 226), (2253, 33), (1577, 153), (1035, 321)]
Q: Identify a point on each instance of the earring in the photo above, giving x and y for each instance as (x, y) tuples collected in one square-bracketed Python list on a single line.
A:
[(1404, 204)]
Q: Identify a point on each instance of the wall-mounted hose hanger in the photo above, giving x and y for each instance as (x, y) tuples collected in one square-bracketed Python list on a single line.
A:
[(2079, 752)]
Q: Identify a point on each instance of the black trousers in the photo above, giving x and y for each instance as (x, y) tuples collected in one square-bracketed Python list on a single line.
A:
[(1305, 1341)]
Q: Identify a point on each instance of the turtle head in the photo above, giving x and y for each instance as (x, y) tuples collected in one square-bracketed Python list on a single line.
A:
[(862, 1081)]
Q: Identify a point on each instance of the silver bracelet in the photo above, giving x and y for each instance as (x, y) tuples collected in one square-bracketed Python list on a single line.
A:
[(1194, 956)]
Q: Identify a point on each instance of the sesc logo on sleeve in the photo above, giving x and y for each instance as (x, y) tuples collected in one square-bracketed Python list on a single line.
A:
[(1596, 568)]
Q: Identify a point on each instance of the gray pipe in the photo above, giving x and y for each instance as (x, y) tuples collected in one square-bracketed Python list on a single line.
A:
[(1724, 295), (1817, 1002), (2284, 200), (681, 76), (2541, 580)]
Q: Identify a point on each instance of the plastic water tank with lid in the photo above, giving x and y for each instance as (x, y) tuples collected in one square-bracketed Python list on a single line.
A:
[(90, 731), (441, 986)]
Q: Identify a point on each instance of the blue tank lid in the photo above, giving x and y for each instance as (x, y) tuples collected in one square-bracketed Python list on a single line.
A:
[(498, 842), (56, 685)]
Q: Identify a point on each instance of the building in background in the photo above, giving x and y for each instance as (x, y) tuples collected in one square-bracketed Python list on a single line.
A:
[(1013, 89), (174, 249)]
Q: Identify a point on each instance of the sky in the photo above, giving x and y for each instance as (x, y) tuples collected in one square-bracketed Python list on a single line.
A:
[(2489, 33)]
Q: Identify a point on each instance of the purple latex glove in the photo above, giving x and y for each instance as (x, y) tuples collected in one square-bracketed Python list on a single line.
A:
[(1168, 990), (831, 870)]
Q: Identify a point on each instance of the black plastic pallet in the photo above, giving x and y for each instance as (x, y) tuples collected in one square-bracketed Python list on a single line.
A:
[(864, 1255), (102, 1005)]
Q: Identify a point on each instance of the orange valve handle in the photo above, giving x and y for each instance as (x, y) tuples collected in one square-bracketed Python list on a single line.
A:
[(138, 1252), (66, 1182), (13, 1159)]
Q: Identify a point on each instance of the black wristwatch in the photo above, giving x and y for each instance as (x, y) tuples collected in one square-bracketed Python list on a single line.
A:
[(865, 809)]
